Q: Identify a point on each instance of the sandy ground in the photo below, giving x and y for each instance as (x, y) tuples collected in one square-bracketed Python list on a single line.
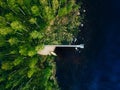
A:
[(47, 50)]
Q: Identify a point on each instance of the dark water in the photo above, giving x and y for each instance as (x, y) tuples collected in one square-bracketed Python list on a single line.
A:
[(97, 67)]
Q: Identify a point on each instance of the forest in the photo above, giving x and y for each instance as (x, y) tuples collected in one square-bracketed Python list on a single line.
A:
[(25, 27)]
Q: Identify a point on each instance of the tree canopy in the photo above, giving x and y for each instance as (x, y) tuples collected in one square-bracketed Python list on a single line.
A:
[(25, 27)]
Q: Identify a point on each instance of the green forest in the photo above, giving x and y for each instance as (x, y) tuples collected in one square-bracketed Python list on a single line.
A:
[(25, 27)]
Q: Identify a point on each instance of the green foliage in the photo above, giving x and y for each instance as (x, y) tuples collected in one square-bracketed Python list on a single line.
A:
[(35, 10), (62, 11), (32, 52), (31, 72), (13, 41), (67, 7), (7, 65), (33, 62), (63, 1), (39, 47), (49, 13), (35, 34), (2, 41), (32, 20), (10, 17), (55, 5), (23, 50), (17, 26), (2, 21), (5, 31), (17, 61), (3, 4), (25, 27), (13, 5)]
